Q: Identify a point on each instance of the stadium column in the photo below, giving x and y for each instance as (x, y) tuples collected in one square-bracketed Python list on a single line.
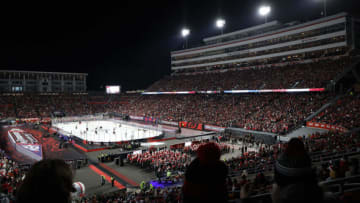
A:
[(62, 83), (84, 87), (74, 84), (50, 78), (9, 82), (24, 83)]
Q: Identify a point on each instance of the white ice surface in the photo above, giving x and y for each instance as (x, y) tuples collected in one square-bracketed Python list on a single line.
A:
[(105, 134)]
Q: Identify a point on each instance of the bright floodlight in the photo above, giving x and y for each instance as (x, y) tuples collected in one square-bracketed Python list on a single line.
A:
[(264, 10), (220, 23), (185, 32)]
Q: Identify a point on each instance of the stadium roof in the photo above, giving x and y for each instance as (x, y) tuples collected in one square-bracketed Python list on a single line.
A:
[(258, 27), (40, 72)]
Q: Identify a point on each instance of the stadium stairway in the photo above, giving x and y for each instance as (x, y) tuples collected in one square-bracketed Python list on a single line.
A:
[(330, 85), (304, 131), (325, 106)]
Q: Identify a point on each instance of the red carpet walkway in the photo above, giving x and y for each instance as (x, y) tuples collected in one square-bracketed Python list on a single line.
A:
[(107, 177)]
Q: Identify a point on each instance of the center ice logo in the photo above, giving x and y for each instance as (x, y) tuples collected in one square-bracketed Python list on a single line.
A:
[(33, 148)]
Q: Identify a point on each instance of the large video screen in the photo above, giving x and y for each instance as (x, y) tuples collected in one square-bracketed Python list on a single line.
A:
[(112, 89)]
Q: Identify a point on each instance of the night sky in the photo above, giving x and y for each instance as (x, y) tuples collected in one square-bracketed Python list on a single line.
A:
[(129, 43)]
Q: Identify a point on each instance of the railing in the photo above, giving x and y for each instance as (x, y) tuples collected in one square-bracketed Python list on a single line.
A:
[(349, 184)]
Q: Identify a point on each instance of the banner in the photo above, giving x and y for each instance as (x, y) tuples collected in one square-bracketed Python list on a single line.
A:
[(169, 123), (275, 90), (136, 118), (150, 120), (214, 128), (325, 126), (36, 120), (239, 91), (196, 126), (78, 118), (174, 92)]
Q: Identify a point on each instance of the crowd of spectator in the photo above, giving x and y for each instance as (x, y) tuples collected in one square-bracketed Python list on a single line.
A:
[(157, 195), (250, 172), (7, 107), (256, 181), (224, 148), (11, 176), (344, 113), (40, 106), (321, 147), (332, 142), (270, 112), (310, 75), (161, 161)]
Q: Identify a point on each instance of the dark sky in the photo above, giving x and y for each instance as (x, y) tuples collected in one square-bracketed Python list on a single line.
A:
[(129, 43)]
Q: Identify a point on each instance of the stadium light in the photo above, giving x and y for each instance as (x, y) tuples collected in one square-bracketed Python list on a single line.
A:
[(184, 33), (220, 23), (264, 11)]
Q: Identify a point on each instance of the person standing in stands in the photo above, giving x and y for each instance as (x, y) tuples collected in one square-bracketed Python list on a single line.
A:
[(168, 175), (112, 181), (142, 185), (102, 180), (295, 180), (49, 180), (205, 178)]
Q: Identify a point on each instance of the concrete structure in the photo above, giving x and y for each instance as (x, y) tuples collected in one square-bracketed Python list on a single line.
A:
[(41, 82)]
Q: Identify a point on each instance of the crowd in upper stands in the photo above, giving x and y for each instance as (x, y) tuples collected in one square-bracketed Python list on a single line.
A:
[(310, 75)]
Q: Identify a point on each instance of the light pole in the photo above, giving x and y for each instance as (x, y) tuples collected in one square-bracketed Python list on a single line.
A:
[(184, 33), (220, 23), (325, 9), (264, 11)]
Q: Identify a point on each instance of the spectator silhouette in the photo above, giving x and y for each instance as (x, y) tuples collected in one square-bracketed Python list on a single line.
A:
[(205, 178), (295, 180), (49, 180)]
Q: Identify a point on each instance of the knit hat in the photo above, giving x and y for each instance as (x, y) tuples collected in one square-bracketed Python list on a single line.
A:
[(208, 153), (294, 165)]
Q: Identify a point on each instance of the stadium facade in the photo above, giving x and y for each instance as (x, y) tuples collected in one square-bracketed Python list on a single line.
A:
[(271, 43), (42, 82)]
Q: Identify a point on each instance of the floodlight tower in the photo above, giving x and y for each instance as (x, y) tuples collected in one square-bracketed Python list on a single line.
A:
[(264, 11), (185, 33), (220, 23)]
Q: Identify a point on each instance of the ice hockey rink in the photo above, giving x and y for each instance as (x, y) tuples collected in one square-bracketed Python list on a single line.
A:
[(107, 130)]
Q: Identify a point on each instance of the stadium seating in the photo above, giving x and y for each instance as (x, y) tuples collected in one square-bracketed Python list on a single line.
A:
[(311, 75), (344, 113), (272, 112)]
